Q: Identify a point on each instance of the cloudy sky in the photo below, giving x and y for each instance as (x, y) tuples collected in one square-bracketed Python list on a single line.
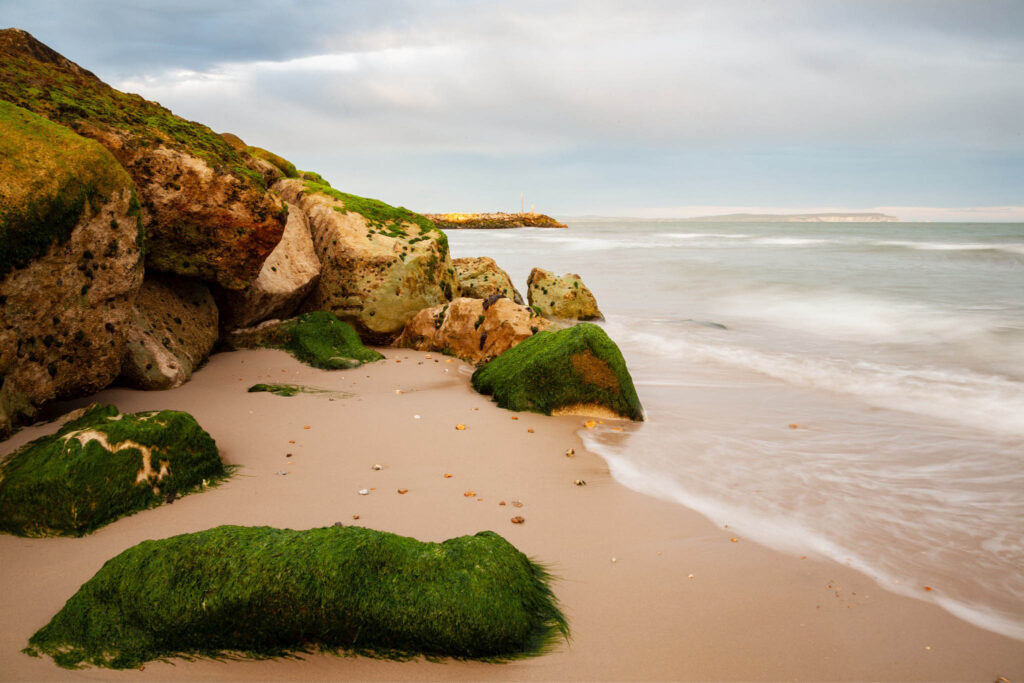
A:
[(636, 108)]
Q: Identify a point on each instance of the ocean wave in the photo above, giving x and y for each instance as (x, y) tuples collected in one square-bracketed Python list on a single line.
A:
[(1009, 248)]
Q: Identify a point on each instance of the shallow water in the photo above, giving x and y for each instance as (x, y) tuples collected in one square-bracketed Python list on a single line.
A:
[(896, 349)]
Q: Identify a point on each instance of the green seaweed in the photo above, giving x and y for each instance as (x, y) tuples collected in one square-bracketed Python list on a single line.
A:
[(48, 177), (282, 164), (235, 591), (294, 390), (577, 366), (317, 338), (70, 484)]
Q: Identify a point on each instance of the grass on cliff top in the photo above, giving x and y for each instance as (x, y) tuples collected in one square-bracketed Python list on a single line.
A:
[(283, 165), (102, 466), (391, 220), (48, 175), (577, 366), (36, 78), (313, 176), (235, 591)]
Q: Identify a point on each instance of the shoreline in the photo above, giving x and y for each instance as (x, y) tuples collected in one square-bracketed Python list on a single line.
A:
[(748, 613)]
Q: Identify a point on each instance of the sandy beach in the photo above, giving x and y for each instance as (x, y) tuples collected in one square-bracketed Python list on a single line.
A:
[(652, 590)]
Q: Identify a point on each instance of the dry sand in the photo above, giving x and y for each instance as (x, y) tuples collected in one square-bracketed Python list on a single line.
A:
[(747, 613)]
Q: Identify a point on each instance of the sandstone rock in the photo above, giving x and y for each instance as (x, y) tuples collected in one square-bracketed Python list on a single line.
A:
[(380, 264), (174, 328), (481, 277), (561, 297), (475, 330), (206, 213), (287, 276), (575, 371), (70, 263)]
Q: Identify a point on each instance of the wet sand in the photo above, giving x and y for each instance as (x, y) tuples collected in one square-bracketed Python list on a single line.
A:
[(747, 613)]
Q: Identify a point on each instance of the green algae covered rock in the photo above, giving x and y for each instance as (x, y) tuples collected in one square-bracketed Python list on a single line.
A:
[(260, 591), (318, 339), (575, 371), (101, 466)]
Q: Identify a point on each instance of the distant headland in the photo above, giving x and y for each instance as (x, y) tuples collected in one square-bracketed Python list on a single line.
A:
[(797, 218), (493, 221)]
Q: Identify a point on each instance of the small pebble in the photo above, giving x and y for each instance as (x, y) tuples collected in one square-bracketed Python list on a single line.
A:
[(734, 540), (287, 455), (364, 492), (355, 516), (615, 559), (689, 576), (415, 417), (282, 472), (448, 476), (518, 520), (338, 524), (460, 427), (377, 467), (571, 452), (469, 494), (530, 430), (501, 502), (517, 503), (579, 482), (403, 491)]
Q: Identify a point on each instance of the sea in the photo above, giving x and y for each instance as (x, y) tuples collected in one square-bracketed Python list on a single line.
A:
[(852, 390)]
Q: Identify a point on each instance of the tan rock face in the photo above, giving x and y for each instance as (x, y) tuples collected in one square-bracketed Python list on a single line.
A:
[(64, 305), (287, 277), (561, 296), (468, 330), (480, 277), (375, 274), (173, 330)]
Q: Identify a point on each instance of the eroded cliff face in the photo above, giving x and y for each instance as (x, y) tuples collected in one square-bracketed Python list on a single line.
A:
[(206, 212), (379, 264), (70, 264)]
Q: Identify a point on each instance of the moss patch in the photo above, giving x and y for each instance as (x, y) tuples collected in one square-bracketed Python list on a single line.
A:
[(285, 166), (102, 466), (263, 592), (577, 366), (318, 339), (296, 389), (315, 177), (49, 176)]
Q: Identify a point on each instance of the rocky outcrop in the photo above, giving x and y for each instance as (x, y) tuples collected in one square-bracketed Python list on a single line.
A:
[(561, 296), (480, 277), (103, 465), (173, 330), (287, 276), (318, 339), (475, 330), (70, 263), (575, 371), (492, 221), (379, 264), (206, 213)]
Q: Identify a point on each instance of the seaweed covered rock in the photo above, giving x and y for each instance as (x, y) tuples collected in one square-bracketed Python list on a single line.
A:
[(260, 591), (318, 339), (287, 277), (101, 466), (70, 263), (563, 296), (575, 371), (206, 213), (173, 330), (475, 330), (480, 277), (380, 264)]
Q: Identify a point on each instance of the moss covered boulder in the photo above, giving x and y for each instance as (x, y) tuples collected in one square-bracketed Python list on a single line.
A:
[(173, 330), (575, 371), (563, 296), (207, 214), (287, 277), (380, 264), (480, 277), (318, 339), (475, 330), (260, 591), (70, 263), (101, 466)]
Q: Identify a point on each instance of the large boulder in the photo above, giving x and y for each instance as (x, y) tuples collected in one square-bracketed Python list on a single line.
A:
[(575, 371), (103, 465), (318, 339), (475, 330), (562, 296), (207, 214), (287, 276), (480, 277), (174, 328), (70, 264), (380, 264)]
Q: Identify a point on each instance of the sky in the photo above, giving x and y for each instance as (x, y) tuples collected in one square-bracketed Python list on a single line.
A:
[(639, 108)]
